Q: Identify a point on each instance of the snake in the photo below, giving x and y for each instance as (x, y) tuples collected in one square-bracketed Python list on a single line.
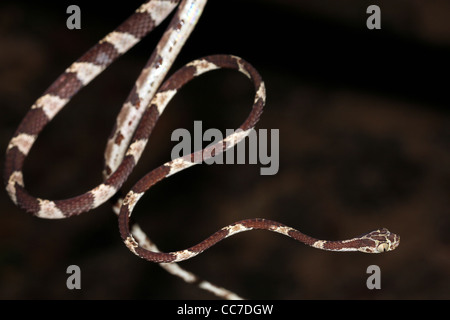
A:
[(134, 124)]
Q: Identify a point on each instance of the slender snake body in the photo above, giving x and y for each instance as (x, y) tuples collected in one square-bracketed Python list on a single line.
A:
[(134, 124)]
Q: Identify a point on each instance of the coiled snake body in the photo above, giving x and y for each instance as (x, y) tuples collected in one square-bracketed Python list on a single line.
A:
[(134, 124)]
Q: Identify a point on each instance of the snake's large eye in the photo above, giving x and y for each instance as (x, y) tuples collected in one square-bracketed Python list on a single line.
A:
[(383, 247)]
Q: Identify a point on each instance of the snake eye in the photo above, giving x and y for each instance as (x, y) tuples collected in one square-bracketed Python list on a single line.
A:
[(383, 247)]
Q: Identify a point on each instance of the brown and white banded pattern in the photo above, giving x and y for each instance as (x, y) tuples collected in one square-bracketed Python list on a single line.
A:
[(373, 242), (79, 74), (118, 161), (134, 124)]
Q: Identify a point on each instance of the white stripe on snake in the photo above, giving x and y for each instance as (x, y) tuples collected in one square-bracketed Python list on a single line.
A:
[(133, 126)]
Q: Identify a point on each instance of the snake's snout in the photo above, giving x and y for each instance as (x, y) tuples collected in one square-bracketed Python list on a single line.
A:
[(395, 241), (387, 241)]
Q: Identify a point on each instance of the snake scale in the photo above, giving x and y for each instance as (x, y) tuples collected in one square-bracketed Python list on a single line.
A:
[(134, 124)]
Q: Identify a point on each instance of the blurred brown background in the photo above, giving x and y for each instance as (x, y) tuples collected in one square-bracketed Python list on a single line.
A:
[(364, 128)]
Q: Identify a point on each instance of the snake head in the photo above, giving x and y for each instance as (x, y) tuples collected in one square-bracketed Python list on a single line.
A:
[(382, 241)]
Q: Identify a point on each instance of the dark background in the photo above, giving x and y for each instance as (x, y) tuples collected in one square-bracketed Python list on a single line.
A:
[(364, 124)]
